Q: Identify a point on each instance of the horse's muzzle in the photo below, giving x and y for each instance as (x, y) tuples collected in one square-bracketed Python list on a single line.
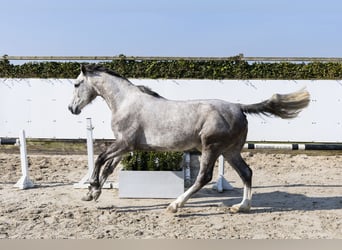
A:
[(75, 111)]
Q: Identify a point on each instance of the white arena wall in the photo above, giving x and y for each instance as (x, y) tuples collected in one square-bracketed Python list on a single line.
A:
[(40, 107)]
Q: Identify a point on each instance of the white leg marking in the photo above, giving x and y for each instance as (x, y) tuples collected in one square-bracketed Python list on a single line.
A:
[(245, 204), (180, 201)]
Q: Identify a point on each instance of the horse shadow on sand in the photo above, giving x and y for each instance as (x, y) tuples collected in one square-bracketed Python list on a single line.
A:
[(263, 202), (275, 201)]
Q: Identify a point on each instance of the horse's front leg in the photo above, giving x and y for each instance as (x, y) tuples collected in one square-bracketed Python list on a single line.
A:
[(94, 189), (108, 169), (111, 157)]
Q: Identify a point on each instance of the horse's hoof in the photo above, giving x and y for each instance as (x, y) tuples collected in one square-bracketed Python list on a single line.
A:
[(96, 194), (239, 209), (172, 208), (233, 210), (87, 197)]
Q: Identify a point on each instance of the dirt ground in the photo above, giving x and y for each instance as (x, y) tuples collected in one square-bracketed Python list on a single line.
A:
[(296, 196)]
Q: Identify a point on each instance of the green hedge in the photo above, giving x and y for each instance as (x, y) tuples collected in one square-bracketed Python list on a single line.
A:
[(154, 161), (232, 68)]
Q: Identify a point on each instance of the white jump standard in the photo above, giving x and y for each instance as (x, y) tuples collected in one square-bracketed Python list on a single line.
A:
[(222, 184), (24, 182), (84, 182)]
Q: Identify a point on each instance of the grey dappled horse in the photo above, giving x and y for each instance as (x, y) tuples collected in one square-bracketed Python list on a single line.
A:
[(143, 120)]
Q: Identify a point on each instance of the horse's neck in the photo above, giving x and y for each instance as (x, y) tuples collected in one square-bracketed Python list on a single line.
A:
[(114, 91)]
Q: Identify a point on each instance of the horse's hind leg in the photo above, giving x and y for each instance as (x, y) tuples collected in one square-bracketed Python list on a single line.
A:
[(204, 176), (245, 173)]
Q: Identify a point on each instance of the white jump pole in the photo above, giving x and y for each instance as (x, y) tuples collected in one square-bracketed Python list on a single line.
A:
[(222, 184), (24, 182), (84, 182), (90, 147)]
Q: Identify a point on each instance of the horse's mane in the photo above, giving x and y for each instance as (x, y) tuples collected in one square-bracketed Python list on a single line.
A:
[(91, 68), (148, 91)]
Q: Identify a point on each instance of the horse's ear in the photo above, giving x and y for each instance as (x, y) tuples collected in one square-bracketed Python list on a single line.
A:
[(83, 69)]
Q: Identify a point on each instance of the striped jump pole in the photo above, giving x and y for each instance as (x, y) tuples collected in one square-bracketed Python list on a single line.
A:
[(294, 146)]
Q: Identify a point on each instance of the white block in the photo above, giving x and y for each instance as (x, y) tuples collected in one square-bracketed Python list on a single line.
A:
[(151, 184)]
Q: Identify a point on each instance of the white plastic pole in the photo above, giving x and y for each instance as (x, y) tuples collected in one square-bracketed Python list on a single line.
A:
[(90, 147), (84, 182), (222, 184), (24, 182)]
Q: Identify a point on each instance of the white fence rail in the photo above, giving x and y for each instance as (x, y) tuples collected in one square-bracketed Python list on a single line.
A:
[(40, 107)]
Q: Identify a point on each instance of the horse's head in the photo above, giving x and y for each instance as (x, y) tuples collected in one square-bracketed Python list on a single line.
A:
[(84, 92)]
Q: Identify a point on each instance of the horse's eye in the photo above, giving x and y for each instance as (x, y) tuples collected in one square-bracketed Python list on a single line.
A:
[(77, 84)]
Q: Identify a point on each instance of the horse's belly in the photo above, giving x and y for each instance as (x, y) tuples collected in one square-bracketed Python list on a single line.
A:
[(169, 141)]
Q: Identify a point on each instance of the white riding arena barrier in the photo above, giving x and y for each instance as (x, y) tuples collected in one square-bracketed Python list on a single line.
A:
[(316, 123)]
